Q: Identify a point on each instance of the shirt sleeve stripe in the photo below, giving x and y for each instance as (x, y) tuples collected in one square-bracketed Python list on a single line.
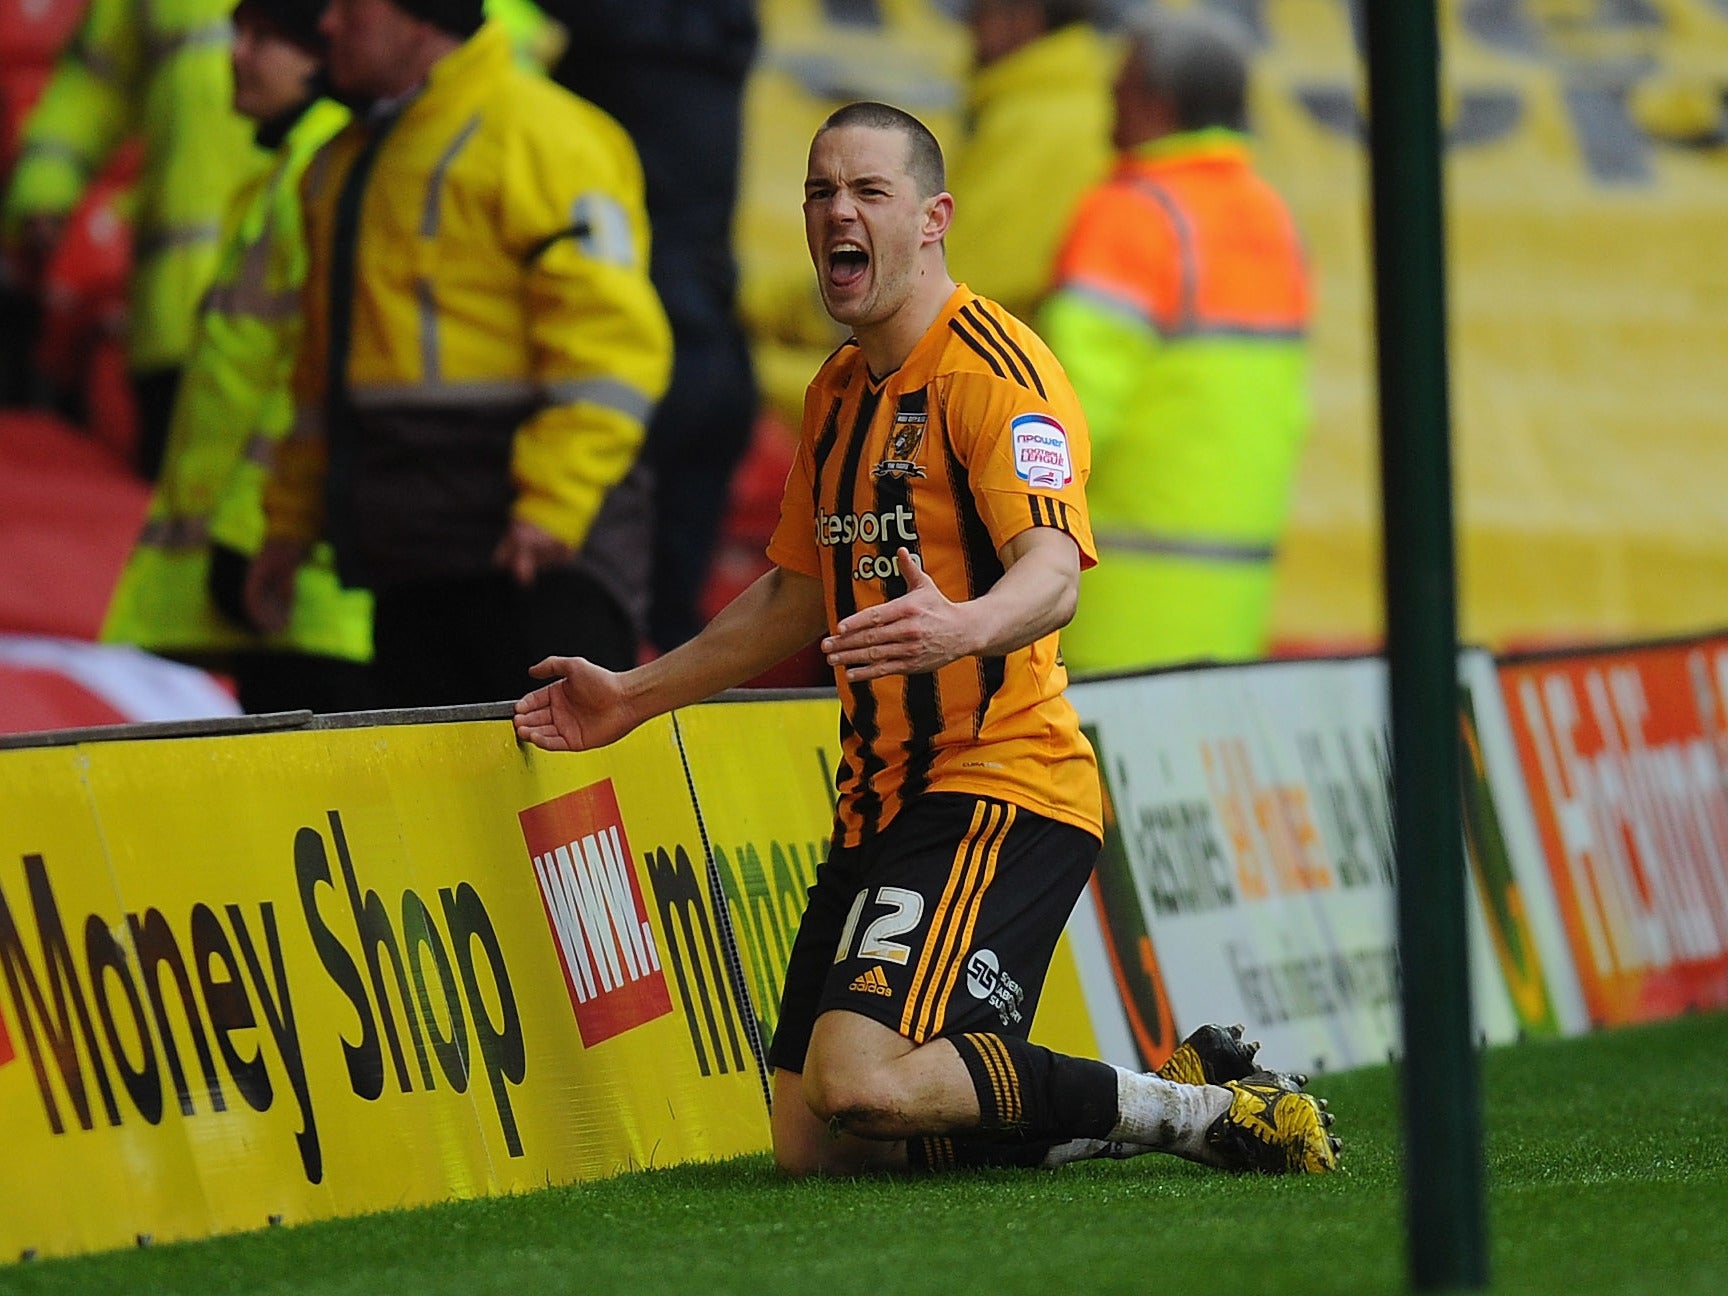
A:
[(977, 346), (1025, 359), (975, 319)]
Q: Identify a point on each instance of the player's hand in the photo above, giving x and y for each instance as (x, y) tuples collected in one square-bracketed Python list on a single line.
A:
[(269, 592), (585, 706), (526, 550), (918, 632)]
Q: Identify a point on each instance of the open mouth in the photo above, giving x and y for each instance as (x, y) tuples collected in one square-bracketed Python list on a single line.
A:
[(847, 263)]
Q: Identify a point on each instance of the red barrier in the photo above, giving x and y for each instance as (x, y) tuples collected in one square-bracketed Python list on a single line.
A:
[(69, 512)]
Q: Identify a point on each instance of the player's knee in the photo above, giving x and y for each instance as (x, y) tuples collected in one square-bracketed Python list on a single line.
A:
[(850, 1096)]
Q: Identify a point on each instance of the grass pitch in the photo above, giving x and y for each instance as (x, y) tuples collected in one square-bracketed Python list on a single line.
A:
[(1607, 1172)]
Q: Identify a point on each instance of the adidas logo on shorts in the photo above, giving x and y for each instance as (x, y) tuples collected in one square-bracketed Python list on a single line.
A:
[(871, 982)]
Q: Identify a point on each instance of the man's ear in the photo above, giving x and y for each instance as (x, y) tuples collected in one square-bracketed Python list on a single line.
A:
[(938, 216)]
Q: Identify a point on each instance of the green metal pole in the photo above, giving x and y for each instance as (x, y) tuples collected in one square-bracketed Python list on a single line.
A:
[(1445, 1220)]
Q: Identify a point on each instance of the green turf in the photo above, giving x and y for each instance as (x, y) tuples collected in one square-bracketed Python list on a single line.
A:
[(1607, 1166)]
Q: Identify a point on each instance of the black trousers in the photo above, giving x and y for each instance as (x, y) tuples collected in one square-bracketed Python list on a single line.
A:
[(155, 391), (700, 432), (472, 638), (291, 681)]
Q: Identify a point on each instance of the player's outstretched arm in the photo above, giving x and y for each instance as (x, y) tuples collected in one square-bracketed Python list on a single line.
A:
[(586, 706), (923, 630)]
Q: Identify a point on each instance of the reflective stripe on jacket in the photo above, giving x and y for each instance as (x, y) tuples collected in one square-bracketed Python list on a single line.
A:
[(502, 323), (232, 410), (1180, 311), (160, 67)]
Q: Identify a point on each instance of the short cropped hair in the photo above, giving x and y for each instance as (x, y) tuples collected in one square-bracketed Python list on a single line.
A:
[(1197, 59), (923, 153)]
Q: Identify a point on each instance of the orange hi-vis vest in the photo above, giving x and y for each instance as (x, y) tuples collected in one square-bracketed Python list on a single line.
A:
[(1180, 310), (1193, 241)]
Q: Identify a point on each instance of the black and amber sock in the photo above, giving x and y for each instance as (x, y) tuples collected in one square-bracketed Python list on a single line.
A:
[(1027, 1091), (959, 1152)]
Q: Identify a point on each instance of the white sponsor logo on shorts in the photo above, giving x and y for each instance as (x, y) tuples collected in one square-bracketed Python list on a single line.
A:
[(986, 980)]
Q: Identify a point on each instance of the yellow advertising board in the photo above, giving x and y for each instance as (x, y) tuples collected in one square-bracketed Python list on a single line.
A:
[(293, 975), (763, 773), (283, 976)]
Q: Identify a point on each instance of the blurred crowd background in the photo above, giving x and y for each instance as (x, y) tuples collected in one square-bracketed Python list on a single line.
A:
[(1587, 198)]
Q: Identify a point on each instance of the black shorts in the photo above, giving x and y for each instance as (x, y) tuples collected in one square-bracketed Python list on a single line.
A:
[(944, 923)]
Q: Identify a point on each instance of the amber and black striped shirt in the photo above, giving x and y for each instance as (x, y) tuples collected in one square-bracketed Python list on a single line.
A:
[(977, 437)]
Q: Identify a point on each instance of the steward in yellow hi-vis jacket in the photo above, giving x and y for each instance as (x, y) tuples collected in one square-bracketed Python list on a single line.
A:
[(1180, 311), (1039, 137), (159, 67), (180, 593), (482, 352)]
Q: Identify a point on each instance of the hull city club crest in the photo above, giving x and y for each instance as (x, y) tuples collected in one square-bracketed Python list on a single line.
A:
[(906, 439)]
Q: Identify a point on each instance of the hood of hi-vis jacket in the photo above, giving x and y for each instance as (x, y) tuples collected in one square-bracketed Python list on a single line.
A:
[(500, 259)]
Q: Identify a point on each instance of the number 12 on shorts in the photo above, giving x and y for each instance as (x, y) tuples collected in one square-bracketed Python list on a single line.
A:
[(904, 907)]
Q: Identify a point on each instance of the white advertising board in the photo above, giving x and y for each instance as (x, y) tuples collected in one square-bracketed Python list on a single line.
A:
[(1248, 871)]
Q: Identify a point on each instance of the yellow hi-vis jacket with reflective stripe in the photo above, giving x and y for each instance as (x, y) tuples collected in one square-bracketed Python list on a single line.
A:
[(232, 410), (160, 67), (499, 288)]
